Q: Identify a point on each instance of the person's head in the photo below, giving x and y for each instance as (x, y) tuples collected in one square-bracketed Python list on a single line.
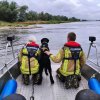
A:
[(71, 36), (87, 94), (32, 39)]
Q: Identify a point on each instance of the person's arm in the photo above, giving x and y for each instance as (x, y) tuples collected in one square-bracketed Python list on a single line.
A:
[(58, 58), (20, 56), (82, 59), (38, 54)]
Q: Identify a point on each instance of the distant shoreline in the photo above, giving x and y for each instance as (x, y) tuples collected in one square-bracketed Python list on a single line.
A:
[(27, 24)]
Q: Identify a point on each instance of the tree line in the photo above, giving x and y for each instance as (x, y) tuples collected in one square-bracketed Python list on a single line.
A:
[(12, 12)]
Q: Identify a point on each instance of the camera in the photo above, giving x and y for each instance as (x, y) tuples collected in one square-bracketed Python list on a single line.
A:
[(92, 39), (10, 38)]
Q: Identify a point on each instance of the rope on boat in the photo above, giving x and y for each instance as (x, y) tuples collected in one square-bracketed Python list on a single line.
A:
[(32, 97)]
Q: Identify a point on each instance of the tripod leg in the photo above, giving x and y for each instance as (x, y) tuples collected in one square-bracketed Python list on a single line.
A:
[(89, 50), (12, 49)]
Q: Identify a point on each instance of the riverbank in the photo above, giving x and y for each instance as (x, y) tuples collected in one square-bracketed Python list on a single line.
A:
[(27, 25), (17, 25)]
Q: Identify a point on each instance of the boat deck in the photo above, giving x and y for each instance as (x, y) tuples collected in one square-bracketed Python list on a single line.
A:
[(46, 91)]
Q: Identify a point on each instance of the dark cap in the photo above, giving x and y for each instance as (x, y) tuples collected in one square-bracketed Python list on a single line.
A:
[(45, 40)]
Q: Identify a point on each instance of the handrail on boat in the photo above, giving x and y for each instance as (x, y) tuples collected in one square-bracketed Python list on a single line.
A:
[(93, 63), (9, 44), (7, 63), (2, 48)]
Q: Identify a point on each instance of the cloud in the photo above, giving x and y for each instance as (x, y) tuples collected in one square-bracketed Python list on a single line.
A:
[(84, 9)]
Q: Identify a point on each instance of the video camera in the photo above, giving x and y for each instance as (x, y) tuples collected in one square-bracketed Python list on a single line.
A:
[(10, 38), (92, 39)]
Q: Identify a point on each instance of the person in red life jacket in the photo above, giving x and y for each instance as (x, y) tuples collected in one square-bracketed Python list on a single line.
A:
[(72, 58), (28, 58)]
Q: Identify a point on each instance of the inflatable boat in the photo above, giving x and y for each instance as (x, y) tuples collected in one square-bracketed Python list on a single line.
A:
[(46, 91)]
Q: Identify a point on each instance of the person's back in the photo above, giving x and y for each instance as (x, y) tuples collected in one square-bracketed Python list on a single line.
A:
[(29, 62), (71, 56), (25, 59)]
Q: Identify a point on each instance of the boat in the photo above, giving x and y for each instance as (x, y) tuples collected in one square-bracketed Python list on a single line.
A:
[(46, 91)]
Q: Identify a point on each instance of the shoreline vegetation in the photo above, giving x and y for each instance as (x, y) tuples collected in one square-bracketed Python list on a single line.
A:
[(13, 16), (27, 24)]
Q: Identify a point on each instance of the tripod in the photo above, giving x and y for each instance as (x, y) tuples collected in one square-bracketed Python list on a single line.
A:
[(10, 42), (93, 45)]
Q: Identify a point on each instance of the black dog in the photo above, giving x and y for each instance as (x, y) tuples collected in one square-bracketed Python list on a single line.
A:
[(44, 61)]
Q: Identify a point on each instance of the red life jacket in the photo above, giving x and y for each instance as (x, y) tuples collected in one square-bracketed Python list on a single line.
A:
[(75, 49), (72, 44), (33, 44), (32, 49)]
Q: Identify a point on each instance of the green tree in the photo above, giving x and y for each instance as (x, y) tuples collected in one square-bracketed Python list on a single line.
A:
[(11, 12), (73, 19), (47, 16), (22, 16), (41, 16), (8, 11), (32, 15)]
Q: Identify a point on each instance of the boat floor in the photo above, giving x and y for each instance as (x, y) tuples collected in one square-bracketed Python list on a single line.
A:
[(46, 91)]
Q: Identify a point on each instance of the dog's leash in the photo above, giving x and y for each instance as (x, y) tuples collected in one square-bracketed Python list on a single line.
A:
[(32, 97)]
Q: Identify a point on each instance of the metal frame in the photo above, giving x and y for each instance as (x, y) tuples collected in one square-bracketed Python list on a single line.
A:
[(6, 54), (94, 46)]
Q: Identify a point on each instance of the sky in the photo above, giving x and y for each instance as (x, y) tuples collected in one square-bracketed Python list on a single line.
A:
[(83, 9)]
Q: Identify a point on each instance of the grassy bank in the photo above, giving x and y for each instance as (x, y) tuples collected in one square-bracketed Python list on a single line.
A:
[(27, 24), (19, 24), (40, 22), (7, 24)]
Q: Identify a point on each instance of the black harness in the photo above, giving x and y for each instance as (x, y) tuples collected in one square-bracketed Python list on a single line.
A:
[(75, 52), (31, 53)]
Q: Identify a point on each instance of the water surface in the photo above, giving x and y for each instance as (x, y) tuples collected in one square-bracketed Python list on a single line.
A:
[(57, 33)]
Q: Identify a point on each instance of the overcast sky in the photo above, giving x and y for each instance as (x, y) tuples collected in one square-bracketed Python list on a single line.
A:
[(86, 9)]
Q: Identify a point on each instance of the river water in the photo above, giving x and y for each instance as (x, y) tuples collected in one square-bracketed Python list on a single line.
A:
[(57, 34)]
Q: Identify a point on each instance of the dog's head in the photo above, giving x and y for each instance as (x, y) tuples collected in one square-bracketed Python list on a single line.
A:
[(44, 43), (45, 40)]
